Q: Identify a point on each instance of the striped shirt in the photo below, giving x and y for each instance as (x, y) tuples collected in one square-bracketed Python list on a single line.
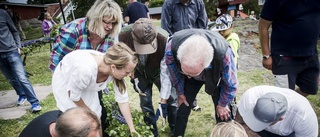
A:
[(228, 82), (73, 36)]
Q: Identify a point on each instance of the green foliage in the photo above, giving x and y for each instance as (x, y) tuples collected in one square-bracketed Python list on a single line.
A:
[(116, 128), (251, 5), (82, 7), (33, 33), (211, 6), (156, 3), (55, 30)]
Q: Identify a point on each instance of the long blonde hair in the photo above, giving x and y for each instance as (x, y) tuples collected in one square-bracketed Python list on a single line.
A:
[(100, 9), (120, 55), (228, 129)]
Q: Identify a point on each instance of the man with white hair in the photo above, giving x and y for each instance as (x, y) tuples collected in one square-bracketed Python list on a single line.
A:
[(194, 57)]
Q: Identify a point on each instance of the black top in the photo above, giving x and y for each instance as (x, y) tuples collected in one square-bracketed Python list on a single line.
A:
[(135, 11), (39, 127)]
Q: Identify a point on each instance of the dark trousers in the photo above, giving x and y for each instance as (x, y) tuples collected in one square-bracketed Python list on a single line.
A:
[(103, 117), (148, 109), (191, 89)]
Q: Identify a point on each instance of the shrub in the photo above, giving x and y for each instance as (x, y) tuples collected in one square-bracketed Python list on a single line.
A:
[(117, 126)]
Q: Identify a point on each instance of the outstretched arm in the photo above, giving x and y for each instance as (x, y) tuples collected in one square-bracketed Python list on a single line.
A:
[(125, 110)]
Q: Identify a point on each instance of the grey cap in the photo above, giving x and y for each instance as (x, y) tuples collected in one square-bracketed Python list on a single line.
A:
[(269, 108)]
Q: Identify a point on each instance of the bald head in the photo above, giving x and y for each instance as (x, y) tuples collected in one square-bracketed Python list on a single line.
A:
[(78, 122)]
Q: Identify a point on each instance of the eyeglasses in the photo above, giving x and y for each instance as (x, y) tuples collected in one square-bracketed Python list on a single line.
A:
[(109, 23)]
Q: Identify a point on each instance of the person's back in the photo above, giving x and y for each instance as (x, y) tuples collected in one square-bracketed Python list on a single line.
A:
[(135, 11), (299, 118), (39, 126)]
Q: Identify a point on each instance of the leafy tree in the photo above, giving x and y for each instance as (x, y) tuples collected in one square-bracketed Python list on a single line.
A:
[(84, 5), (211, 6), (251, 5), (156, 3)]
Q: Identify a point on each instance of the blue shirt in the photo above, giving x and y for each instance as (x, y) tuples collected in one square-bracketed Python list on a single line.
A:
[(176, 16), (135, 11)]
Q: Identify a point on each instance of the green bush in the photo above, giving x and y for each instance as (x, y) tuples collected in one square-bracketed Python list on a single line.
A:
[(115, 127), (156, 3)]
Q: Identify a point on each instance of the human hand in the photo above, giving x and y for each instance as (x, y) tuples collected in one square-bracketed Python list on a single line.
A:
[(136, 86), (223, 112), (135, 134), (163, 112), (182, 99), (267, 63)]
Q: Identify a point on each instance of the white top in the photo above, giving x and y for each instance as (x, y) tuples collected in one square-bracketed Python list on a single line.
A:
[(77, 73), (166, 87), (299, 118)]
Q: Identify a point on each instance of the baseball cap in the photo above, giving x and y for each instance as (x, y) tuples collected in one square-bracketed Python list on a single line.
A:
[(223, 22), (269, 108), (144, 34)]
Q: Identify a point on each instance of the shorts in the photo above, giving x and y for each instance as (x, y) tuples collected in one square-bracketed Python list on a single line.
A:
[(300, 71)]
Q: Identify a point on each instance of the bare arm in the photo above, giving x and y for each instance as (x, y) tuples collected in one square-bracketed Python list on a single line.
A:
[(264, 41), (125, 110)]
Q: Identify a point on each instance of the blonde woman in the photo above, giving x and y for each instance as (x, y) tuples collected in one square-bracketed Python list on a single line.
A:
[(228, 129), (96, 31), (82, 73)]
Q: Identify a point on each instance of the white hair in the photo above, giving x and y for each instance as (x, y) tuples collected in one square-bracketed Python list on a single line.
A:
[(195, 51)]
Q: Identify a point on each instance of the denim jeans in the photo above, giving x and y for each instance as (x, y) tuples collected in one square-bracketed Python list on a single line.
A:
[(12, 68), (148, 109), (191, 89)]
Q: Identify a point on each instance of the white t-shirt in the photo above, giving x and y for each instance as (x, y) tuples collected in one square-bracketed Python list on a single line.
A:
[(77, 73), (299, 118)]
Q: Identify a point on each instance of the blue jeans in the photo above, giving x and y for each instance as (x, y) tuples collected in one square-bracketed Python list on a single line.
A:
[(148, 109), (12, 68)]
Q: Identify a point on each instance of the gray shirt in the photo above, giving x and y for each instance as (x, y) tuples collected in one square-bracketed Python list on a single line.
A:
[(177, 16), (9, 35)]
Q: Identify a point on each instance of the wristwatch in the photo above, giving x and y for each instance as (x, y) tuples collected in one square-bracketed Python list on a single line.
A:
[(266, 56)]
